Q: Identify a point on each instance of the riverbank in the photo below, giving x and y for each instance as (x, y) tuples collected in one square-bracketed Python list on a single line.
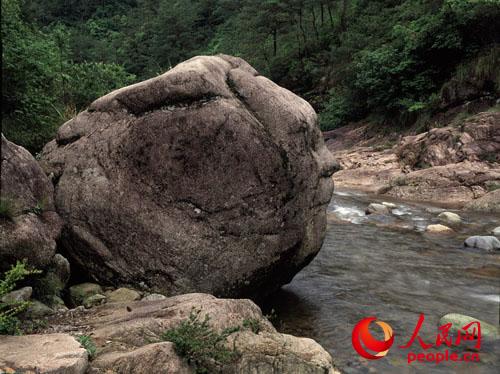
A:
[(452, 165)]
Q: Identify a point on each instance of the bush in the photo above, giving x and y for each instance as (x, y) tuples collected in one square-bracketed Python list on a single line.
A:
[(87, 343), (199, 344), (9, 323)]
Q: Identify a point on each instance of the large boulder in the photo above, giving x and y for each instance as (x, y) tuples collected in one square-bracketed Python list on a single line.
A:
[(209, 177), (29, 225)]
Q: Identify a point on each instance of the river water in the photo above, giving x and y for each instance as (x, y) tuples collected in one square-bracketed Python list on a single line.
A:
[(388, 267)]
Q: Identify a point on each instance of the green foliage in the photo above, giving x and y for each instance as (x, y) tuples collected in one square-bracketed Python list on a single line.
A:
[(383, 59), (9, 323), (253, 324), (39, 208), (199, 344), (7, 208), (87, 343)]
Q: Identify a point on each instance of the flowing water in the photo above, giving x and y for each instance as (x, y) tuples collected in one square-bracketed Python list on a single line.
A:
[(388, 267)]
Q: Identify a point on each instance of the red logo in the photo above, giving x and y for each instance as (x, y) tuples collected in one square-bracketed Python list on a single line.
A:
[(361, 334)]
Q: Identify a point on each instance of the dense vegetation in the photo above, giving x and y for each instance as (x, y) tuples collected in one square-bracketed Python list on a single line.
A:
[(387, 59)]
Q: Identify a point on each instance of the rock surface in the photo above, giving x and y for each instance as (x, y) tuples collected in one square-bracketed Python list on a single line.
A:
[(123, 294), (18, 296), (451, 165), (438, 229), (128, 337), (489, 203), (51, 353), (375, 208), (496, 231), (488, 243), (449, 217), (460, 320), (225, 175), (79, 292), (32, 231)]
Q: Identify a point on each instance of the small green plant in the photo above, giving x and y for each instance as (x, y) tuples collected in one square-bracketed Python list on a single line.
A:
[(39, 208), (7, 208), (253, 324), (87, 343), (202, 347), (9, 323)]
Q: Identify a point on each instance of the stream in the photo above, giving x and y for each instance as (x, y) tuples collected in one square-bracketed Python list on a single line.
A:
[(388, 267)]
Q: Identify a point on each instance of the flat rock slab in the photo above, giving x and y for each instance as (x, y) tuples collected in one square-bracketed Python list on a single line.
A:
[(51, 353)]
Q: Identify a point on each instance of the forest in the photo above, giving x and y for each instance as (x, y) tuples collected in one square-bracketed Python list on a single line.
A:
[(386, 61)]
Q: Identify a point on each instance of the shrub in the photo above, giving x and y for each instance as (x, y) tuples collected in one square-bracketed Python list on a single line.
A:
[(87, 343), (253, 324), (9, 323), (199, 344)]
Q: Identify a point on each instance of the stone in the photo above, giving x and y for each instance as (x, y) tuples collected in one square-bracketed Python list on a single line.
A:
[(375, 208), (488, 203), (153, 297), (152, 358), (212, 124), (496, 231), (269, 353), (128, 337), (474, 141), (81, 291), (438, 229), (449, 217), (37, 310), (488, 243), (61, 268), (57, 303), (94, 300), (33, 226), (123, 294), (458, 321), (50, 353), (18, 296), (389, 205)]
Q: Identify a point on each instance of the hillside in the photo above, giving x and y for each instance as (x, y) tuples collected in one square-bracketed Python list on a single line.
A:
[(395, 63)]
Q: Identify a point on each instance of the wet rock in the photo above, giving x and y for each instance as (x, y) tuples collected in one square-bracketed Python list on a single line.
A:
[(458, 321), (375, 208), (153, 297), (18, 296), (32, 227), (211, 123), (438, 229), (79, 292), (449, 217), (496, 231), (123, 294), (94, 300), (51, 353), (483, 242), (37, 310), (488, 203)]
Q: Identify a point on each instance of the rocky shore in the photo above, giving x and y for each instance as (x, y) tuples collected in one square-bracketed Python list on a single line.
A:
[(456, 165)]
